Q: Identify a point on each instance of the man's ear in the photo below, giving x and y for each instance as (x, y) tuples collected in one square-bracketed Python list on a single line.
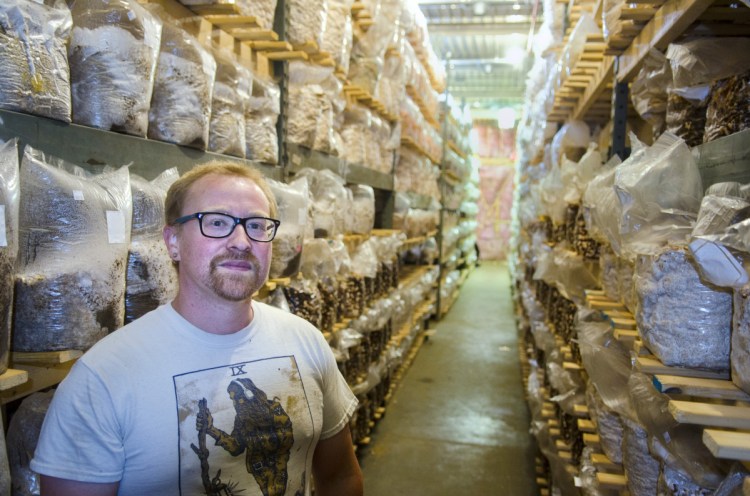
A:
[(169, 233)]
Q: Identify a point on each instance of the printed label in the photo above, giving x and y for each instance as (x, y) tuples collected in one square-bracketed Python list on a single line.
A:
[(116, 227), (78, 194)]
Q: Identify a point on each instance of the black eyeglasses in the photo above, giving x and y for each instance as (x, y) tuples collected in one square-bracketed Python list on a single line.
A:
[(218, 225)]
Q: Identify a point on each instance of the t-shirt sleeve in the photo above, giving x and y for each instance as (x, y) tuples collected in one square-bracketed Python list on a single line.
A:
[(80, 437)]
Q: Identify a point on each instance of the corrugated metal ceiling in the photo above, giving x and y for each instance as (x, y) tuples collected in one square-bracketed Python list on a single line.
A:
[(485, 46)]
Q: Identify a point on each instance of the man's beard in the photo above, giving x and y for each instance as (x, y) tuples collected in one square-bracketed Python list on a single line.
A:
[(236, 287)]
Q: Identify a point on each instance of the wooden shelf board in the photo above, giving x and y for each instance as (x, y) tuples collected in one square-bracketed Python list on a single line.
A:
[(611, 481), (604, 464), (651, 365), (708, 414), (727, 444), (704, 388), (48, 357), (668, 23), (12, 378)]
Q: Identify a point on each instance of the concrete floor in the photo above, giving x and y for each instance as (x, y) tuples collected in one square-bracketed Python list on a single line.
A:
[(458, 423)]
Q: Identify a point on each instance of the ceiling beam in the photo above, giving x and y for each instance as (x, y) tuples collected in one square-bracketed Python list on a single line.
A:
[(468, 28), (486, 93)]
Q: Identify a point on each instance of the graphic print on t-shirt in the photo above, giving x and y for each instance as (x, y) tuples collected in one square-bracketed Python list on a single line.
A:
[(245, 429)]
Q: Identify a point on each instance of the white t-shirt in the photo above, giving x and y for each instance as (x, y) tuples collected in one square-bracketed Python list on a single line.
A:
[(127, 410)]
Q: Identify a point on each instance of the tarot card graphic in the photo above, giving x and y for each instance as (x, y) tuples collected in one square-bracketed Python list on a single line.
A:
[(245, 429)]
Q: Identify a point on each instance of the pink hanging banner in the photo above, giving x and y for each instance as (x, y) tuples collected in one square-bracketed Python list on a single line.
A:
[(493, 217)]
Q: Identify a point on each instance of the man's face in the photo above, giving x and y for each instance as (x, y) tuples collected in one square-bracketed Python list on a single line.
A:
[(231, 268)]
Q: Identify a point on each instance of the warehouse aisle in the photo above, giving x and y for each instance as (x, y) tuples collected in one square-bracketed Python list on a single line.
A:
[(458, 423)]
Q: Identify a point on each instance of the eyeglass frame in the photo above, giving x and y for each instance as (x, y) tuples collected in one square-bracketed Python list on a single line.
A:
[(237, 221)]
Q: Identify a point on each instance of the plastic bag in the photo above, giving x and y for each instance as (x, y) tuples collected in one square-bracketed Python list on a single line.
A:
[(355, 133), (310, 110), (337, 37), (659, 192), (306, 21), (33, 41), (329, 202), (261, 114), (73, 249), (180, 109), (601, 207), (570, 141), (5, 480), (700, 61), (151, 278), (608, 424), (23, 435), (111, 89), (641, 469), (681, 444), (304, 300), (683, 321), (726, 112), (319, 264), (606, 362), (231, 94), (363, 208), (686, 113), (648, 91), (9, 204), (568, 272), (293, 206)]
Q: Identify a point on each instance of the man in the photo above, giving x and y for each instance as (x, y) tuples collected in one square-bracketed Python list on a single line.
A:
[(137, 411)]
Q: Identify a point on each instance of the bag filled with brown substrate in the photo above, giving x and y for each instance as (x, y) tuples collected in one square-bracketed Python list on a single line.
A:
[(33, 53), (113, 51), (180, 109), (9, 201), (73, 249), (151, 276)]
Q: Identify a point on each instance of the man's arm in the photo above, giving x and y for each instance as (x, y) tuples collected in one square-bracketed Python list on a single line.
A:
[(52, 486), (336, 469)]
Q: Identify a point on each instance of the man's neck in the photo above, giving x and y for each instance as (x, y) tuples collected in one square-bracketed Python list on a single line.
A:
[(216, 317)]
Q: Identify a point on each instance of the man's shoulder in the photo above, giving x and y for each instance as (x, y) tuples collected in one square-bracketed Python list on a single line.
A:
[(141, 332), (284, 319)]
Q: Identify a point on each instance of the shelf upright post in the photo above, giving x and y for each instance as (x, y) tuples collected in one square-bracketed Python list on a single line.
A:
[(619, 117), (281, 70)]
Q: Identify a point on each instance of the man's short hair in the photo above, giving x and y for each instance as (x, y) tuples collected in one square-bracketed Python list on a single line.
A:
[(179, 189)]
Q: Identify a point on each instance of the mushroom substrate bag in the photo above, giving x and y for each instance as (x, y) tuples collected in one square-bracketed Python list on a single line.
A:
[(151, 276), (9, 202), (73, 249), (33, 44)]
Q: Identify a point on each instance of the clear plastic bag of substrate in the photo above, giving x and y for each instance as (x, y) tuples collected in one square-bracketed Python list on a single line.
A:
[(5, 482), (23, 436), (9, 202), (151, 276), (111, 89), (232, 88), (33, 41), (684, 321), (293, 205), (183, 85), (73, 250), (261, 114)]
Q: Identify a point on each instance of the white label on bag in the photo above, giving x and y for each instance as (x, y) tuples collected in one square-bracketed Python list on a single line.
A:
[(3, 234), (78, 194), (115, 226)]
